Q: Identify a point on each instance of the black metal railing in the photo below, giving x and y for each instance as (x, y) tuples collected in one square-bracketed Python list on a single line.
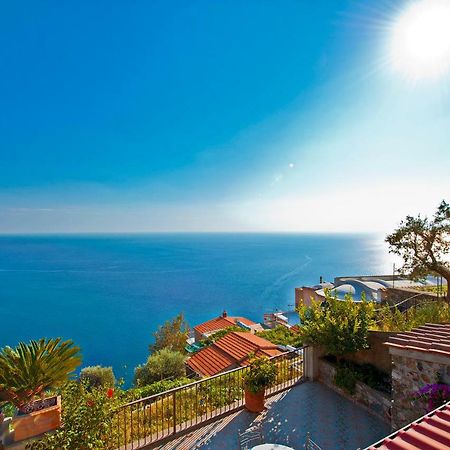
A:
[(142, 423)]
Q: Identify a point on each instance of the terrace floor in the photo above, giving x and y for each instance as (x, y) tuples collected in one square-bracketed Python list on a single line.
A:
[(334, 423)]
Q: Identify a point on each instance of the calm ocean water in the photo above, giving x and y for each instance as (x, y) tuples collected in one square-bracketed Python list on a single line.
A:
[(109, 293)]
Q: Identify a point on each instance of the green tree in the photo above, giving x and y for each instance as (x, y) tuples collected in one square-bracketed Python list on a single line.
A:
[(282, 335), (98, 376), (163, 364), (31, 369), (221, 333), (341, 326), (424, 244), (172, 335)]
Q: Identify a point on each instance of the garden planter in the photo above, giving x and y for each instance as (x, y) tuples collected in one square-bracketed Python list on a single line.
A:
[(254, 402), (39, 420)]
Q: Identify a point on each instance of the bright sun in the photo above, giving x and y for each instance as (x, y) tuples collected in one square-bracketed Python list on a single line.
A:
[(420, 40)]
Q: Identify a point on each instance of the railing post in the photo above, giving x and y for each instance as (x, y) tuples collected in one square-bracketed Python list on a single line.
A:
[(174, 412)]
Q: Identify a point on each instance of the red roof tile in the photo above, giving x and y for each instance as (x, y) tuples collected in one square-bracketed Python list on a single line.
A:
[(230, 351), (210, 361), (431, 338), (220, 323), (430, 432)]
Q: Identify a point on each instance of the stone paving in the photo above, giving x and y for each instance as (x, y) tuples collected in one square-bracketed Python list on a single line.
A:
[(334, 423)]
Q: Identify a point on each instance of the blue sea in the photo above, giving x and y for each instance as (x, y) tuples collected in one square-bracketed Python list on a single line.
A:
[(109, 293)]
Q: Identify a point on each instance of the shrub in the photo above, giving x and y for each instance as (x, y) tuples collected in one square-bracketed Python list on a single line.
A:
[(164, 364), (221, 333), (281, 335), (87, 420), (98, 376), (156, 388), (391, 319), (366, 373), (345, 378), (341, 326), (262, 373)]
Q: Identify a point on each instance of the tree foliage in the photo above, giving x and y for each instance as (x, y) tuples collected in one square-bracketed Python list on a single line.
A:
[(98, 376), (31, 369), (172, 335), (424, 244), (281, 335), (392, 319), (340, 326), (155, 388), (221, 333), (164, 364)]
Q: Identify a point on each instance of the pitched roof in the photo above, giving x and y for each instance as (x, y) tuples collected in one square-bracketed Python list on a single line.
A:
[(430, 432), (220, 323), (429, 338), (230, 351), (239, 344), (210, 361)]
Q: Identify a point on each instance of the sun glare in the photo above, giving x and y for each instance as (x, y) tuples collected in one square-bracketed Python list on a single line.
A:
[(420, 40)]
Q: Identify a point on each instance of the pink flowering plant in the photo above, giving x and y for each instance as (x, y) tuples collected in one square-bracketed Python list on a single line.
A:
[(434, 395)]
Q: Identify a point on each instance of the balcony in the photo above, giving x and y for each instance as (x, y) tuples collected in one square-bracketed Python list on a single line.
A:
[(333, 422), (208, 413)]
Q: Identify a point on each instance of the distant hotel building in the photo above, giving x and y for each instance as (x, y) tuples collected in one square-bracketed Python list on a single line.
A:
[(377, 288)]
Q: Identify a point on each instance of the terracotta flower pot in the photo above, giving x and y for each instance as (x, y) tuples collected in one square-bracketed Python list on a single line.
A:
[(254, 402), (37, 422)]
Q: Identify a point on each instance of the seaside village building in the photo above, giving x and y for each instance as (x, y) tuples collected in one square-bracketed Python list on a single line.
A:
[(222, 322), (230, 351), (377, 288)]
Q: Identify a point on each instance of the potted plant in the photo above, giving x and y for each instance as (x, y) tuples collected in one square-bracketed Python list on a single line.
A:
[(261, 373), (27, 373)]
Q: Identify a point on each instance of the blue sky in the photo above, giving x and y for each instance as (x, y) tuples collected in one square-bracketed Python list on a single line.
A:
[(213, 116)]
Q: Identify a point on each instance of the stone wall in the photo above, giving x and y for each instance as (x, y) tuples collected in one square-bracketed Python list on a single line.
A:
[(374, 401), (412, 370)]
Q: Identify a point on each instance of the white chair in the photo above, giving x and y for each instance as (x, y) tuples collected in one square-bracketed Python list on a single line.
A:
[(310, 444), (250, 437)]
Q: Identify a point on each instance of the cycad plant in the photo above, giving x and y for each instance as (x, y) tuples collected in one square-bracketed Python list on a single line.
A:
[(31, 369)]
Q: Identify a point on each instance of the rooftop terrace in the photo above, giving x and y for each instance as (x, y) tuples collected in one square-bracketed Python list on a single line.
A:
[(334, 422)]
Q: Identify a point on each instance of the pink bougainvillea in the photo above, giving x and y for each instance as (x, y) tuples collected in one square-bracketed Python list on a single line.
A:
[(435, 394)]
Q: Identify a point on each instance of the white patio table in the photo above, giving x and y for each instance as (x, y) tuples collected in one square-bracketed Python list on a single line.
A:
[(272, 447)]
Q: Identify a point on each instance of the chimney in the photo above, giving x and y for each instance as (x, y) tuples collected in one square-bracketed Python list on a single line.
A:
[(321, 279), (224, 314)]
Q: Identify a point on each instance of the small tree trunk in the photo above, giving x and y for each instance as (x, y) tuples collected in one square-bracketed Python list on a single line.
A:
[(445, 273)]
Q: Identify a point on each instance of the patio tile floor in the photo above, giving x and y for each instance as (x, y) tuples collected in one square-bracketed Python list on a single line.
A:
[(334, 422)]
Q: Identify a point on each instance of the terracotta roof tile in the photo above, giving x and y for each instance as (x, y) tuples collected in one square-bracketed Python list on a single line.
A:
[(230, 351), (432, 338), (210, 361), (430, 432), (220, 323)]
